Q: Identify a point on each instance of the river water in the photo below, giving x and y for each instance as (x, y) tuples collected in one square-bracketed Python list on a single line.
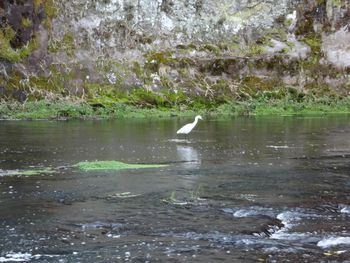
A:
[(235, 190)]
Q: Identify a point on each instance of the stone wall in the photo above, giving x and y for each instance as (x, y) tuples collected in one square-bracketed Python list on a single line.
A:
[(87, 48)]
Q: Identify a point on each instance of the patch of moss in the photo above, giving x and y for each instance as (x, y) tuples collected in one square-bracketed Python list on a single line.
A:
[(278, 33), (186, 48), (37, 3), (68, 40), (14, 55), (155, 59), (253, 50), (304, 25), (222, 91), (337, 3), (66, 44), (254, 86), (114, 165), (138, 70), (26, 23), (146, 98), (211, 48), (108, 95), (6, 51), (50, 8), (314, 41)]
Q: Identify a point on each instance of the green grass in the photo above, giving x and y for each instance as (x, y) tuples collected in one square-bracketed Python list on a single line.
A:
[(253, 106), (113, 165), (44, 110), (285, 107), (73, 110)]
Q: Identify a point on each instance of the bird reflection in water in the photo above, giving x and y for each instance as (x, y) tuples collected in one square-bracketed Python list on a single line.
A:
[(188, 155)]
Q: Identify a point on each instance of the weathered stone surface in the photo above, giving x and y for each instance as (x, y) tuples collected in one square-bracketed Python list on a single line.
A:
[(336, 47), (191, 45), (122, 24)]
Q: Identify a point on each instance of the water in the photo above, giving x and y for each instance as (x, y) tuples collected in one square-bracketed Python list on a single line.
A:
[(235, 190)]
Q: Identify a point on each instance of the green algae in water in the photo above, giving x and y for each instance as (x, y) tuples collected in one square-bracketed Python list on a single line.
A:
[(26, 172), (114, 165)]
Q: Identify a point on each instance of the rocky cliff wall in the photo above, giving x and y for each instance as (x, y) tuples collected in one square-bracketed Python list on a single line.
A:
[(213, 48)]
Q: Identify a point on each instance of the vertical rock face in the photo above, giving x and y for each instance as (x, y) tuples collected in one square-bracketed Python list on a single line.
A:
[(117, 25), (20, 23), (336, 47), (168, 44), (23, 18)]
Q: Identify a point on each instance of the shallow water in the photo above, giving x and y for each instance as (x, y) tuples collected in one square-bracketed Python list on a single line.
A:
[(234, 190)]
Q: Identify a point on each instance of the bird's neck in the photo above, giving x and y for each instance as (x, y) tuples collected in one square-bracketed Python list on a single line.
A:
[(195, 121)]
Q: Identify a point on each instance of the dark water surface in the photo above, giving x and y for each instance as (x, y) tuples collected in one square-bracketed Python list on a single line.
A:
[(235, 190)]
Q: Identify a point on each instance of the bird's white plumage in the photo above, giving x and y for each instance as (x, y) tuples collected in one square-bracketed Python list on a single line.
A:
[(188, 127)]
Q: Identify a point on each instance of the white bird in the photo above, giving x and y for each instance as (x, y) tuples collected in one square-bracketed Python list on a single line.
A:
[(188, 127)]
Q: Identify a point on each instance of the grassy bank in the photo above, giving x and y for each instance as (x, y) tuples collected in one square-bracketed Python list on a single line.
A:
[(257, 107)]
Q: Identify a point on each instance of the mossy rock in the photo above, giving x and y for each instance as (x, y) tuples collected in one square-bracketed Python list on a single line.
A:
[(253, 85), (155, 59)]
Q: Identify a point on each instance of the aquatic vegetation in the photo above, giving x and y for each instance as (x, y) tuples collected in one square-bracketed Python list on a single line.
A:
[(122, 195), (113, 165), (185, 199), (36, 171), (172, 200)]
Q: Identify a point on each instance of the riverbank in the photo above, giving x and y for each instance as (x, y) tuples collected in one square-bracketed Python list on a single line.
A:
[(267, 58), (70, 109)]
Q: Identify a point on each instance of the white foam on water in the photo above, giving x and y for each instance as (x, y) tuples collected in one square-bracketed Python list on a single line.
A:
[(250, 211), (99, 225), (282, 238), (289, 219), (295, 236), (248, 197), (345, 209), (179, 140), (333, 241), (244, 213), (16, 257), (278, 146), (275, 249)]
